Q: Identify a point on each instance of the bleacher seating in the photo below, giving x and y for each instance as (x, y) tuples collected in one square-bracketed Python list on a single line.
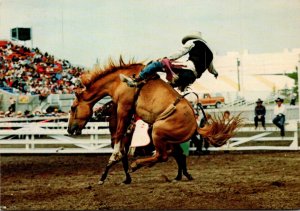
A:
[(28, 71)]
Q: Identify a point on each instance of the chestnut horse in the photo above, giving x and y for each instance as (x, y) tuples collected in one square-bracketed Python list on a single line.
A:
[(156, 102), (109, 110)]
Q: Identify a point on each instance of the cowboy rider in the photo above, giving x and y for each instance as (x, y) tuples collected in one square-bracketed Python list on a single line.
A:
[(200, 58)]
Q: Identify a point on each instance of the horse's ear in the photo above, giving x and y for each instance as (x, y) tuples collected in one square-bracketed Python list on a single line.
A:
[(79, 83), (79, 87)]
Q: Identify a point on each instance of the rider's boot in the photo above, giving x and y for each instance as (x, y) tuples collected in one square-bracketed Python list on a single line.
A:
[(131, 82)]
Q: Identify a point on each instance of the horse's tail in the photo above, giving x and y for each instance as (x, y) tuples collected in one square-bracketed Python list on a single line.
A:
[(218, 132)]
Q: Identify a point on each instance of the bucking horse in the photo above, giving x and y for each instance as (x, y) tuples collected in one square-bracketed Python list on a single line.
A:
[(156, 102)]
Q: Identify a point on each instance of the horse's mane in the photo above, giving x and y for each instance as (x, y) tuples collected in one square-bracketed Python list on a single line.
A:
[(97, 72)]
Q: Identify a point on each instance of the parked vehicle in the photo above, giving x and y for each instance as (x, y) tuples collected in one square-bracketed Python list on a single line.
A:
[(208, 100)]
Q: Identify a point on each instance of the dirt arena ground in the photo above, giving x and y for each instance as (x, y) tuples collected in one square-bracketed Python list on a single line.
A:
[(269, 180)]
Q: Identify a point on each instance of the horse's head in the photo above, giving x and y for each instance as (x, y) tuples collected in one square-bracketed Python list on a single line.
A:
[(80, 114), (92, 87)]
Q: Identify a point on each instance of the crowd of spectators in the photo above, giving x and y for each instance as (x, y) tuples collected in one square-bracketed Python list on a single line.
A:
[(29, 71)]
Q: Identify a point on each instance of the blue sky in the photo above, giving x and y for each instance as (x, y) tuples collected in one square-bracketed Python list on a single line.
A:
[(84, 30)]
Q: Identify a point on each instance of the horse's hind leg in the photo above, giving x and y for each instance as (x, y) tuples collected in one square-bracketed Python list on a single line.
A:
[(161, 155), (181, 162), (184, 168), (176, 155)]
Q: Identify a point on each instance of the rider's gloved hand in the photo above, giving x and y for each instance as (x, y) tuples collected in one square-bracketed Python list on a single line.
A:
[(216, 74)]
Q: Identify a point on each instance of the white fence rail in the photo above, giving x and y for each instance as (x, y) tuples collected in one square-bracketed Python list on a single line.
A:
[(52, 137), (249, 138)]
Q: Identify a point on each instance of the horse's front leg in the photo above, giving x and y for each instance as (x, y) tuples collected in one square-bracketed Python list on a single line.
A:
[(118, 150), (125, 167), (119, 146), (105, 173), (127, 141), (116, 154), (111, 163)]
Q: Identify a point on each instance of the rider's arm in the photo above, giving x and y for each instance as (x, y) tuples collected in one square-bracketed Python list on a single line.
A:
[(185, 49)]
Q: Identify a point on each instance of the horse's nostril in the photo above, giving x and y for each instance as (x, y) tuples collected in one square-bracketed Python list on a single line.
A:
[(71, 130), (78, 132)]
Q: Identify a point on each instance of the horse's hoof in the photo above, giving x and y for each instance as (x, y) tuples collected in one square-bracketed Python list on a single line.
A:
[(127, 181), (133, 167), (177, 178), (189, 177), (101, 182)]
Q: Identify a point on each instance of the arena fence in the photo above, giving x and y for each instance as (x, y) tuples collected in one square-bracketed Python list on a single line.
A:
[(249, 138), (52, 137)]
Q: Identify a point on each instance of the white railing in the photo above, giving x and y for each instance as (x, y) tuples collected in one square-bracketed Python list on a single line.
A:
[(52, 137), (249, 138)]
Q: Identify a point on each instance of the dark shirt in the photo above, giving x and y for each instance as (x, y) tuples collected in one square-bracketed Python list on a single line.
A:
[(12, 107), (260, 110), (201, 56)]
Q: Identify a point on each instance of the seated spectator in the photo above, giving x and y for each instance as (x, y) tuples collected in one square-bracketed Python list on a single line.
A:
[(293, 99), (260, 112), (8, 114), (37, 114), (12, 107), (27, 114), (279, 115), (226, 116)]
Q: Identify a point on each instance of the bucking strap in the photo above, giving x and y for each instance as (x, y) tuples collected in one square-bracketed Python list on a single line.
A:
[(170, 110)]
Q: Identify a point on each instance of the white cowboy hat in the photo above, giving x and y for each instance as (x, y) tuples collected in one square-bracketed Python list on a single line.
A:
[(191, 36)]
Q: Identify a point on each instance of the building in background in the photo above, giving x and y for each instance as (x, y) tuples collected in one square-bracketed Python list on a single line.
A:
[(259, 75)]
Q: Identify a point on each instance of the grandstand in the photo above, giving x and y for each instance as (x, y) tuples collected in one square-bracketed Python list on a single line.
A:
[(30, 76)]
